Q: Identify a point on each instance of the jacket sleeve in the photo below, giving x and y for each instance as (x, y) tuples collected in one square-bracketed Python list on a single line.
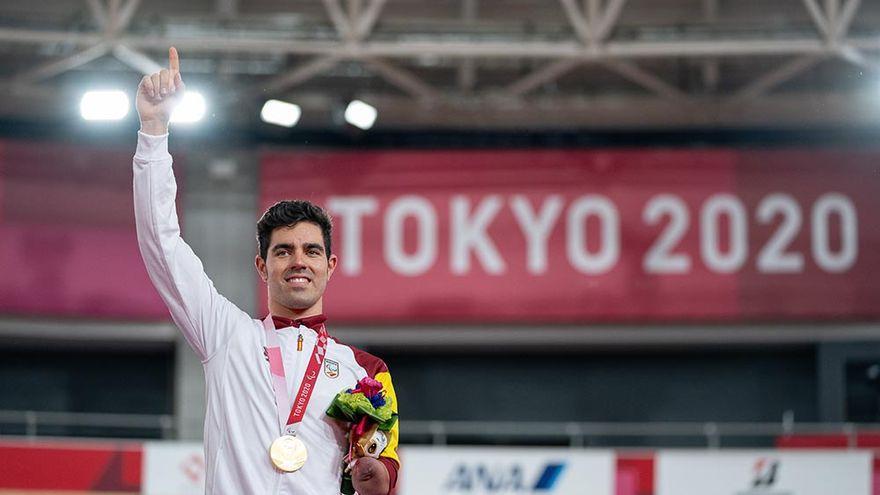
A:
[(389, 456), (205, 318), (376, 369)]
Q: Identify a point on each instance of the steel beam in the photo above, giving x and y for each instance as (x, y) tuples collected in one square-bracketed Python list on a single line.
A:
[(543, 75), (645, 79), (629, 111), (339, 19), (65, 64), (578, 22), (402, 78), (856, 57), (711, 74), (298, 75), (513, 49), (365, 23), (777, 76), (609, 19), (466, 76), (593, 9), (818, 17), (124, 16), (137, 60), (710, 10), (99, 12), (832, 13), (847, 15)]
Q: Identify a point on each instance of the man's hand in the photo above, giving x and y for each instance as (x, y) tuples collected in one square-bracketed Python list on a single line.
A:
[(158, 94), (370, 477)]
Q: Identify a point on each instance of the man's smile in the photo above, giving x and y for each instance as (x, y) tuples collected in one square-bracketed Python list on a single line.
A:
[(297, 280)]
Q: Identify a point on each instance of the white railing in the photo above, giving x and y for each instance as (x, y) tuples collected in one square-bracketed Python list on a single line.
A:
[(580, 434), (34, 420), (575, 434)]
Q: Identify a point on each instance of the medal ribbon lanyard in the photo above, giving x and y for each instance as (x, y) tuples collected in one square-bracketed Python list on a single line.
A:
[(279, 382)]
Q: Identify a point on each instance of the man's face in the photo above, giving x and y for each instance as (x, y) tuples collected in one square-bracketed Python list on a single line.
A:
[(296, 270)]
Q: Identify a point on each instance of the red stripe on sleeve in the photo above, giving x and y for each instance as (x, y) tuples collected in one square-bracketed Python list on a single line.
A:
[(392, 467), (369, 362)]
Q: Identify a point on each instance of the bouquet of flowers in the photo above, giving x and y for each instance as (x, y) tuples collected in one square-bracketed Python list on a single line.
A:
[(368, 412)]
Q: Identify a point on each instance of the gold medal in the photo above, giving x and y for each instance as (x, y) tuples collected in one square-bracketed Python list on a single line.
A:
[(288, 453)]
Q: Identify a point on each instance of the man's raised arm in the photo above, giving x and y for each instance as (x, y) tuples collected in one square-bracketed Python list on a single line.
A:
[(205, 317)]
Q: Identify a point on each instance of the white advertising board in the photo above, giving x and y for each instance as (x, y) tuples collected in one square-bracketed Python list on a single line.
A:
[(506, 471), (763, 473), (173, 468)]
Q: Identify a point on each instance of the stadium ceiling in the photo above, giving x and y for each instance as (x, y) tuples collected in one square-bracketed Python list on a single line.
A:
[(476, 64)]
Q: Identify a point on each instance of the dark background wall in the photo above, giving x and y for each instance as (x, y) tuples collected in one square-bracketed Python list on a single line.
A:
[(96, 381), (696, 385)]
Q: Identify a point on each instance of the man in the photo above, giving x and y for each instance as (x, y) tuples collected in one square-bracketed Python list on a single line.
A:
[(269, 382)]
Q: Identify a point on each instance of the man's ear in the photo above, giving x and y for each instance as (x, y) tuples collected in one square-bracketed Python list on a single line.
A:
[(331, 265), (260, 265)]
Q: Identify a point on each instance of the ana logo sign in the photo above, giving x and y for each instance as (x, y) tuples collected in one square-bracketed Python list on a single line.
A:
[(510, 478)]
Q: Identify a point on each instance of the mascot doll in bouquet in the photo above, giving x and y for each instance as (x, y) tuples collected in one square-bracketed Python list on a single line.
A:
[(368, 413)]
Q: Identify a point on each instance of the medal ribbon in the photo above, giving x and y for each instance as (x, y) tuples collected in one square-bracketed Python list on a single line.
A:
[(279, 381)]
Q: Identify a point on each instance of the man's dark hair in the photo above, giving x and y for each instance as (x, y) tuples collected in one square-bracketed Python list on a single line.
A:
[(287, 214)]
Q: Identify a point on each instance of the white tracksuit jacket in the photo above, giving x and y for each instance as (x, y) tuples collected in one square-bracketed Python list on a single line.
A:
[(241, 420)]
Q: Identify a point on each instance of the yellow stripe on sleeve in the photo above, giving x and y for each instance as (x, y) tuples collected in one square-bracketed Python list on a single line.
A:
[(394, 434)]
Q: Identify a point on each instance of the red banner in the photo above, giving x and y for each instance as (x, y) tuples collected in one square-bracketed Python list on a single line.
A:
[(67, 237), (583, 236), (66, 465), (36, 466)]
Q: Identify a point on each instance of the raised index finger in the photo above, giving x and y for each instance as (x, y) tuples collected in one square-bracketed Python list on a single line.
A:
[(173, 60)]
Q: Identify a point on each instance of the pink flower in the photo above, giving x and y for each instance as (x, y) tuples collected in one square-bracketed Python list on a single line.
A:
[(369, 387)]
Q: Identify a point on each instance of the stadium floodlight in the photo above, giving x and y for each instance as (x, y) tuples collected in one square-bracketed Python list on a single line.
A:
[(360, 114), (280, 113), (104, 105), (191, 109)]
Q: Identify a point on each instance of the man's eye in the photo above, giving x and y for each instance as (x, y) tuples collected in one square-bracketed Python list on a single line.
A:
[(281, 253)]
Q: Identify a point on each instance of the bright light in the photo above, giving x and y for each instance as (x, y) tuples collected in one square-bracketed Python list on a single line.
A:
[(104, 105), (360, 114), (191, 108), (280, 113)]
